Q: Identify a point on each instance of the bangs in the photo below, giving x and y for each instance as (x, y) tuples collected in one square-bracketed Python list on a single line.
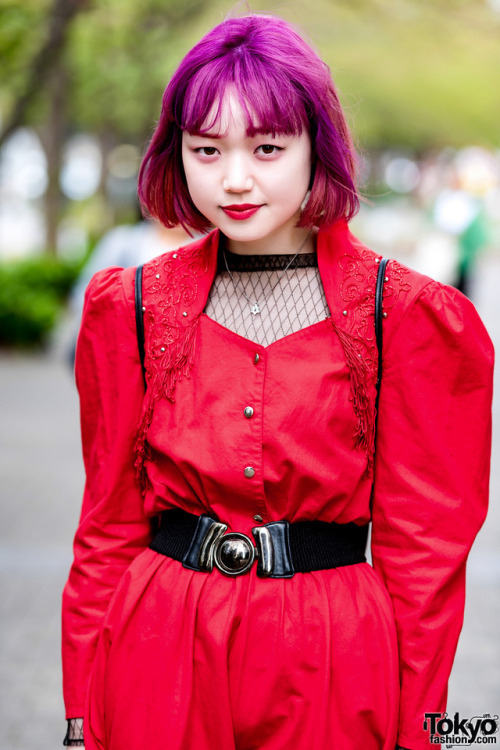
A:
[(271, 103)]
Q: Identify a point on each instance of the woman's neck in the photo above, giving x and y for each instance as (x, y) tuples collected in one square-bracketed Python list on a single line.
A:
[(304, 241)]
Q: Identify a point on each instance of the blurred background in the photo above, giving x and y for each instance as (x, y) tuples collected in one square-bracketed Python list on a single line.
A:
[(81, 83)]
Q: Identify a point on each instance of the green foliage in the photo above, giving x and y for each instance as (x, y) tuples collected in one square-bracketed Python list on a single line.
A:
[(32, 293), (22, 31), (121, 55), (412, 73), (416, 73)]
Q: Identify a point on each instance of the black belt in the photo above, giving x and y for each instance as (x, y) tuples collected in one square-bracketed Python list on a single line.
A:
[(282, 548)]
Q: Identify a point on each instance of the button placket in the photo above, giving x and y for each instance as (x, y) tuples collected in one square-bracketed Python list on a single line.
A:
[(252, 411), (249, 471)]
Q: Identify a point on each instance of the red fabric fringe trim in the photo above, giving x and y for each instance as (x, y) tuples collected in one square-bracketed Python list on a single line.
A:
[(363, 394), (162, 374)]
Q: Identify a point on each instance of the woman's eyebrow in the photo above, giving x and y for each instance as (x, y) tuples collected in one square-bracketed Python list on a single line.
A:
[(251, 133), (263, 130), (200, 134)]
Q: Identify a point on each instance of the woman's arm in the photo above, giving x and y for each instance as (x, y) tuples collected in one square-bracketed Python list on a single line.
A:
[(431, 487), (113, 527)]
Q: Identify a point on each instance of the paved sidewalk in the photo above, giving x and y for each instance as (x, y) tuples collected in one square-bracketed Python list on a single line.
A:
[(41, 481), (41, 484)]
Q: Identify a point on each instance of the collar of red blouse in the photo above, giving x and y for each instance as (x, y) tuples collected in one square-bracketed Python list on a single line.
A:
[(346, 266), (176, 286)]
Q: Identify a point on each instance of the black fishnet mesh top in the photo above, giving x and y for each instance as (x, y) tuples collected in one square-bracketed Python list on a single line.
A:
[(287, 289)]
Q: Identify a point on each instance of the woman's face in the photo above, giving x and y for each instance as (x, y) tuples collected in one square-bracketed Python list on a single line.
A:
[(250, 188)]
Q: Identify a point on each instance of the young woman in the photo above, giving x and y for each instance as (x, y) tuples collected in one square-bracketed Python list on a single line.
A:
[(248, 617)]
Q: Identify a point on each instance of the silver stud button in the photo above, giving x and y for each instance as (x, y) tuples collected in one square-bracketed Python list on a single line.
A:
[(175, 255), (184, 313), (162, 349), (248, 412), (157, 275), (143, 309), (258, 519), (249, 471), (256, 359)]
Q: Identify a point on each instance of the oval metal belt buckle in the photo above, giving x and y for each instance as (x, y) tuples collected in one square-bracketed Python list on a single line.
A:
[(234, 553)]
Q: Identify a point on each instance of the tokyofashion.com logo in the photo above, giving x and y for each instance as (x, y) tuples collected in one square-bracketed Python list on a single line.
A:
[(443, 730)]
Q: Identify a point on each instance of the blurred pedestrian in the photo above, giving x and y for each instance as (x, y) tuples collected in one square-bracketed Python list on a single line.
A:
[(120, 247), (459, 211)]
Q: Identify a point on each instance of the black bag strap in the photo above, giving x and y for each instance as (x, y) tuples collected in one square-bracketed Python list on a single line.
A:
[(139, 319), (379, 293), (379, 315)]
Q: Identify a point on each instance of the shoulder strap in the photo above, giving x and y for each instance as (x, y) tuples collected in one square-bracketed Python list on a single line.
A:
[(379, 292), (139, 319)]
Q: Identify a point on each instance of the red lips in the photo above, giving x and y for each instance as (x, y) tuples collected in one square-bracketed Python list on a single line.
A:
[(241, 206), (240, 211)]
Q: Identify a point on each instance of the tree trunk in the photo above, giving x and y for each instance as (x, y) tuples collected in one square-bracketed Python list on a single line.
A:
[(52, 136), (108, 141)]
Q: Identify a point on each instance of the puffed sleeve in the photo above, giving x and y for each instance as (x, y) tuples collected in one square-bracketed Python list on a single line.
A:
[(431, 487), (113, 527)]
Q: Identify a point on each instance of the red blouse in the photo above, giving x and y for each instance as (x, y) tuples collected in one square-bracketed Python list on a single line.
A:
[(311, 444)]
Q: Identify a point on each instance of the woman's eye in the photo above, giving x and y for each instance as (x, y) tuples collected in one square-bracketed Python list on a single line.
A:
[(206, 150), (268, 149)]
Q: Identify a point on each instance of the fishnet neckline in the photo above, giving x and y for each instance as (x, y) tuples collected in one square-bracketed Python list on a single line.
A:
[(289, 299)]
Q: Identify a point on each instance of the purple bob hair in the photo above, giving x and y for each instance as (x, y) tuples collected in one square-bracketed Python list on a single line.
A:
[(283, 87)]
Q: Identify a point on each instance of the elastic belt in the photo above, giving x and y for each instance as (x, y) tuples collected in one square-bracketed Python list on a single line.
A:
[(281, 548)]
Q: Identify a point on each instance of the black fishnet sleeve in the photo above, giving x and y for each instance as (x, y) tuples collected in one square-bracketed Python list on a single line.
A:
[(74, 733)]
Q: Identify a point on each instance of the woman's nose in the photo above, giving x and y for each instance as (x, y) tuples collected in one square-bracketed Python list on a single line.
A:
[(238, 176)]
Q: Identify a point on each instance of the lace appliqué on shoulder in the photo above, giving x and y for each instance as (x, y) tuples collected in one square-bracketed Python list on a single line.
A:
[(170, 286), (357, 336)]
